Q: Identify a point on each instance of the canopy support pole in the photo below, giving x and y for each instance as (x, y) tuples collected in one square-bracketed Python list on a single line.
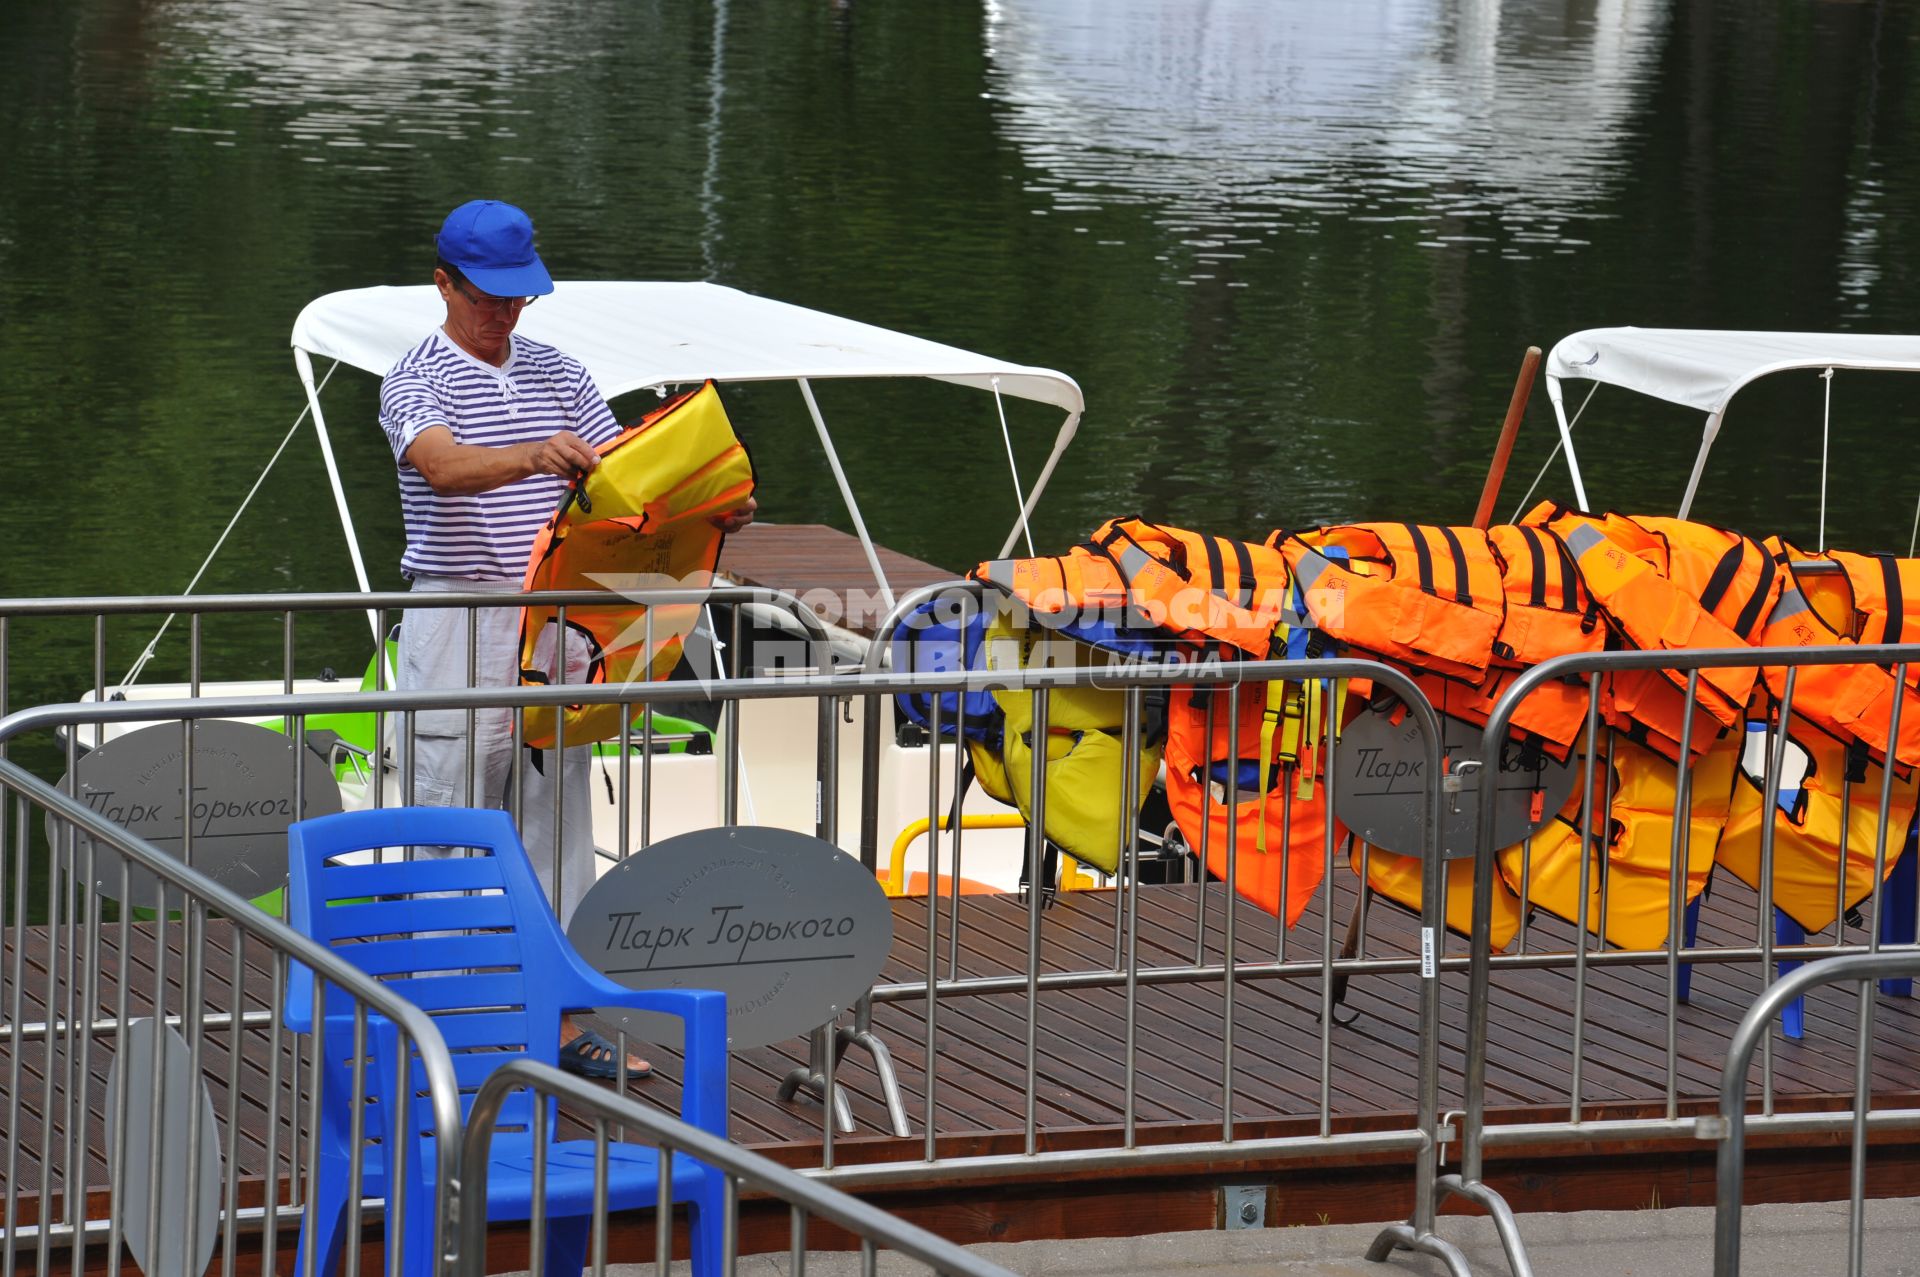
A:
[(1707, 437), (1826, 432), (1566, 440), (846, 492), (1013, 468), (304, 366), (1060, 442)]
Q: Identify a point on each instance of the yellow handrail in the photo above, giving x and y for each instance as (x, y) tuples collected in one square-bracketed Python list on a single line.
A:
[(1071, 879)]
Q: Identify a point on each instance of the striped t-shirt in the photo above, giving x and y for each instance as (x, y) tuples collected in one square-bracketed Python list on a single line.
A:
[(485, 536)]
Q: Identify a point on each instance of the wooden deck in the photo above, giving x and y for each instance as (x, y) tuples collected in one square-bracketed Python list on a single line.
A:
[(1277, 1086), (823, 566)]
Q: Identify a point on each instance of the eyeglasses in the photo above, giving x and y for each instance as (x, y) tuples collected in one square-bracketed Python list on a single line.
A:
[(487, 301)]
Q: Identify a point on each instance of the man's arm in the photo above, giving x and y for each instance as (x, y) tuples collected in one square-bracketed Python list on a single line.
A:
[(461, 469)]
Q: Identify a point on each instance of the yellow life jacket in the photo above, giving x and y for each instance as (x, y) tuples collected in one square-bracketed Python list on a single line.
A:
[(639, 521), (1635, 871), (1399, 879), (1085, 748), (1817, 808)]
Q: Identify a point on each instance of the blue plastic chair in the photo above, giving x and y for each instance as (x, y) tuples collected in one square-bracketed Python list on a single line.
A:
[(493, 968)]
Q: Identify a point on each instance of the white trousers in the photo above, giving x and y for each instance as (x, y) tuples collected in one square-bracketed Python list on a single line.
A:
[(451, 769)]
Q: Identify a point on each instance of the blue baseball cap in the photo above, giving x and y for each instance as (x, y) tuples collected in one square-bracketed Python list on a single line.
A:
[(492, 244)]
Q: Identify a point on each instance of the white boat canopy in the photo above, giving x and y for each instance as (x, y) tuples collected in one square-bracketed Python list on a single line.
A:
[(638, 336), (1704, 368)]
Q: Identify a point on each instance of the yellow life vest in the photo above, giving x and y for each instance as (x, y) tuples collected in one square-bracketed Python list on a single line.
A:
[(1085, 751), (1399, 879), (639, 521), (1635, 870)]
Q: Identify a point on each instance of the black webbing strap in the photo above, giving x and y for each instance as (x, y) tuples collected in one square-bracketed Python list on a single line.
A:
[(1216, 568), (1569, 575), (1896, 602), (1243, 557), (1537, 556), (1723, 573), (1750, 614), (1422, 554), (1462, 593)]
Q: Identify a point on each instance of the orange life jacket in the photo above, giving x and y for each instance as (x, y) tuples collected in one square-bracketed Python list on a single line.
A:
[(1199, 589), (1886, 596), (1279, 834), (640, 520), (1549, 612), (1555, 712), (1428, 597), (1060, 584), (1670, 585)]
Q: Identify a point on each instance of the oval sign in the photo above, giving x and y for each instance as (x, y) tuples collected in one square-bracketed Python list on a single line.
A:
[(792, 929), (184, 1101), (242, 803), (1381, 794)]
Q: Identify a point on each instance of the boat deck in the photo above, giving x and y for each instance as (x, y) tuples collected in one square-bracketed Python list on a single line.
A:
[(978, 1083), (824, 567)]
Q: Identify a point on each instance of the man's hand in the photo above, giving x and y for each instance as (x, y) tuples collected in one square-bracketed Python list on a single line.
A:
[(563, 453), (734, 520)]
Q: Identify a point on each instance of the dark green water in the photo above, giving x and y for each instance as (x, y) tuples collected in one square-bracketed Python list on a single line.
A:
[(1292, 251)]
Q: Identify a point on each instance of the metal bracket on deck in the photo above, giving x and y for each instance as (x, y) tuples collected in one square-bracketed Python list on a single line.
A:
[(1243, 1206), (813, 1077)]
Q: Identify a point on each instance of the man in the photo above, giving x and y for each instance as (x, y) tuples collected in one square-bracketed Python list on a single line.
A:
[(487, 428)]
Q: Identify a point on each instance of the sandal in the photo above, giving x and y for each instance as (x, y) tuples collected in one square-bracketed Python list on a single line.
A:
[(590, 1055)]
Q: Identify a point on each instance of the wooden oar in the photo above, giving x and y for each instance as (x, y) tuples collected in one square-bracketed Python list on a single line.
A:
[(1516, 409)]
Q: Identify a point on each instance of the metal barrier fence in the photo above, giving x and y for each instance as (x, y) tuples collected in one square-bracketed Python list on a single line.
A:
[(1730, 1128), (616, 1118), (1320, 973), (1586, 960), (179, 990), (808, 646), (1217, 951)]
